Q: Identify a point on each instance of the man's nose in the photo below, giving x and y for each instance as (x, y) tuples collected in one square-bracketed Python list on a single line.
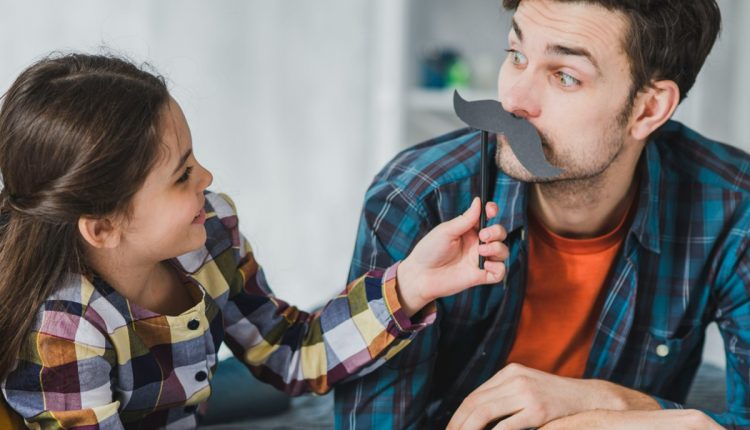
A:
[(522, 97)]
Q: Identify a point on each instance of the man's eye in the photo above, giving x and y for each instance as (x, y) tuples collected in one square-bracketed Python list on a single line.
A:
[(567, 81), (186, 175), (516, 57)]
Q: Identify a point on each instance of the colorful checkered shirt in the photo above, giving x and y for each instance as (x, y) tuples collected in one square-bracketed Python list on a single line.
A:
[(684, 263), (98, 361)]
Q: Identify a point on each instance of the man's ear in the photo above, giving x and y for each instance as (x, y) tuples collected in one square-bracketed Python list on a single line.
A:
[(653, 107), (99, 232)]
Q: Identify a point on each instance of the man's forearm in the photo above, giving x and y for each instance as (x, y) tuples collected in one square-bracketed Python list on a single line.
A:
[(687, 419), (615, 397), (523, 397)]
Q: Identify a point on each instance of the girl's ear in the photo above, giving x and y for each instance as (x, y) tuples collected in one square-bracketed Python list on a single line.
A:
[(99, 232)]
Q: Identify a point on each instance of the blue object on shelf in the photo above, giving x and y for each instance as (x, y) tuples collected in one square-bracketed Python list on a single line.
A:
[(442, 68)]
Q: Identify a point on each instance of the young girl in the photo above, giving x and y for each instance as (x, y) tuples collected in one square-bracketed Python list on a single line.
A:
[(120, 275)]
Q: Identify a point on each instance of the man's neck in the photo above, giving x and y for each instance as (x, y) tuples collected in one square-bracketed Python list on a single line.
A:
[(585, 208)]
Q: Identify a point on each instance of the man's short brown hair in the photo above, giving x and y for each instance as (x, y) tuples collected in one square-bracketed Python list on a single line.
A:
[(666, 39)]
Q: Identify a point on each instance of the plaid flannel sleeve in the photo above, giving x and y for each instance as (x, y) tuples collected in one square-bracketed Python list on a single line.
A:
[(394, 396), (62, 381), (298, 351), (733, 319)]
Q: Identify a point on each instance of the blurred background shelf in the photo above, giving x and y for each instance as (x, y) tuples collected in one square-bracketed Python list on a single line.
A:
[(474, 29), (441, 100)]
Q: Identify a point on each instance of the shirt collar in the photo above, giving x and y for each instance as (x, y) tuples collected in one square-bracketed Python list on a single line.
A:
[(645, 226)]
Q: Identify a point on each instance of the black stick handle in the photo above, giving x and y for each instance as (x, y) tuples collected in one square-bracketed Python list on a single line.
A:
[(483, 173)]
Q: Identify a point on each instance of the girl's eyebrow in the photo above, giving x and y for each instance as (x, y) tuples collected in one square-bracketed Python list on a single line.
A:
[(183, 159)]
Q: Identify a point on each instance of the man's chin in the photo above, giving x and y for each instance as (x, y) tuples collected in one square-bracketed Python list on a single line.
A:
[(519, 173)]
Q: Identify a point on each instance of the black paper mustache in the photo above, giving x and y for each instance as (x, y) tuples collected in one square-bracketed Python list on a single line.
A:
[(524, 141)]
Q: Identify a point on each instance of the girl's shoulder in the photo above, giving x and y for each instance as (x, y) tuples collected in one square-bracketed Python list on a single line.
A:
[(222, 223), (215, 265), (78, 306), (222, 233), (221, 205), (76, 289)]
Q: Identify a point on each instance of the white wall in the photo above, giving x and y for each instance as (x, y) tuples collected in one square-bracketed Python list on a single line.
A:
[(278, 98), (718, 106)]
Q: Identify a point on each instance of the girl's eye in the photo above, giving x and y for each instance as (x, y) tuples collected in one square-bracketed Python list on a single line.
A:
[(567, 81), (516, 57), (186, 175)]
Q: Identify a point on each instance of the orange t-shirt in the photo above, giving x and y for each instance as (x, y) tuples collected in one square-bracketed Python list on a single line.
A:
[(563, 298)]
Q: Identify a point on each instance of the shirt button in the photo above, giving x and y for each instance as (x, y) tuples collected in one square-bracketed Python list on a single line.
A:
[(662, 350), (193, 324), (201, 376)]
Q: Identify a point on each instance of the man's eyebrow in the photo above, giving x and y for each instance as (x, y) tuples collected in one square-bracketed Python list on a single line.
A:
[(516, 29), (183, 159), (567, 50), (559, 49)]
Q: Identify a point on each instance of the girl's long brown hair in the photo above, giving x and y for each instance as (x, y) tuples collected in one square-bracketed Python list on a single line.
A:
[(78, 135)]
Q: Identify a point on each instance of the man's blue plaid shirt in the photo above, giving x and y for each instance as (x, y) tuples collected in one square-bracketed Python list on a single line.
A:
[(684, 264)]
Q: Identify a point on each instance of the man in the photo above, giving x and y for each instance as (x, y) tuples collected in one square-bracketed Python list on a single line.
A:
[(615, 267)]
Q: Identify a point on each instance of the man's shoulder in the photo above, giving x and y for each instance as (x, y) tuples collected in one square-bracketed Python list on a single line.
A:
[(689, 157), (443, 160)]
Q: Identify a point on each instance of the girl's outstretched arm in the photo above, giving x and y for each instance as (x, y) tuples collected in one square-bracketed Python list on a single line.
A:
[(369, 322)]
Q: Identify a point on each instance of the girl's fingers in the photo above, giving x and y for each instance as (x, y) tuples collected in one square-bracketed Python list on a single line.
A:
[(495, 270), (464, 222), (492, 233), (491, 210), (495, 251)]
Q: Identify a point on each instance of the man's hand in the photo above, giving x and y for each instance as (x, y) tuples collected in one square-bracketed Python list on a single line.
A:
[(682, 419), (525, 398), (445, 261)]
